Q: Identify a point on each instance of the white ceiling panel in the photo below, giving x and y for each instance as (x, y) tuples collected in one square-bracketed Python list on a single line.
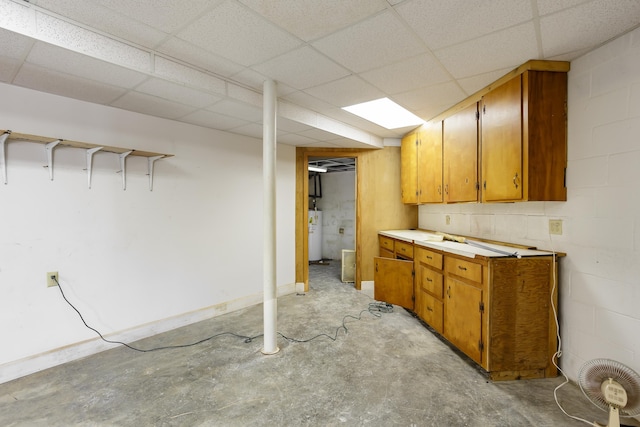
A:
[(589, 24), (205, 62), (346, 91), (51, 81), (76, 64), (401, 76), (178, 93), (370, 44), (507, 48), (302, 68), (152, 105), (238, 34), (95, 15), (465, 19), (312, 19)]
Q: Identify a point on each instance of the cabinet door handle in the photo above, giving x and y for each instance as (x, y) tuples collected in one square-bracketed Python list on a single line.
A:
[(376, 267), (429, 309), (449, 292), (446, 189), (515, 180), (439, 189), (462, 268)]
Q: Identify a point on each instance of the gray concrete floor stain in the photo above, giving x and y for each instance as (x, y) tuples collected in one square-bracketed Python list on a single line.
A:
[(385, 370)]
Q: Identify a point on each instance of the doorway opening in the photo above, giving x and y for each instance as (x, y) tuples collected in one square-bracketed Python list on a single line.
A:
[(331, 221)]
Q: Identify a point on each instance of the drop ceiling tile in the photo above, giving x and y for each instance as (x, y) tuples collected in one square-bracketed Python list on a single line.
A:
[(311, 19), (253, 130), (51, 81), (14, 45), (68, 62), (178, 93), (8, 68), (291, 126), (431, 99), (475, 83), (591, 24), (318, 134), (445, 23), (546, 7), (295, 139), (302, 68), (18, 18), (346, 91), (122, 25), (230, 107), (410, 73), (238, 34), (152, 105), (213, 120), (188, 76), (504, 49), (78, 39), (165, 15), (380, 40), (190, 54)]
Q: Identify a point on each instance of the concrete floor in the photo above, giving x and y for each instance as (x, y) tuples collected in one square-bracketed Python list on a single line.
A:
[(385, 371)]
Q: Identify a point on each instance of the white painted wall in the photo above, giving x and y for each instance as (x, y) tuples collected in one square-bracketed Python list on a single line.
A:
[(134, 262), (338, 205), (600, 286)]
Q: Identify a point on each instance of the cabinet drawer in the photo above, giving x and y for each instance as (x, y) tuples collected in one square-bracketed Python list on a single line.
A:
[(462, 268), (431, 281), (386, 243), (434, 259), (404, 250), (432, 312)]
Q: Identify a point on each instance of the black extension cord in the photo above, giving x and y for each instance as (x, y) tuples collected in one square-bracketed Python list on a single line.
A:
[(375, 308)]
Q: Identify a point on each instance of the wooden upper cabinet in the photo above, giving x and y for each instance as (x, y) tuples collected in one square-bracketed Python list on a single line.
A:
[(524, 138), (409, 168), (460, 158), (430, 163)]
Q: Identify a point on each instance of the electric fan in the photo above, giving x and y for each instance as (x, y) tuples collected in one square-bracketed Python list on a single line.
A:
[(612, 387)]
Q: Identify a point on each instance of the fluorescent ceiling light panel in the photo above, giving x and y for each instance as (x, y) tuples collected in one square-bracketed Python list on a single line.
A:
[(386, 113), (317, 169)]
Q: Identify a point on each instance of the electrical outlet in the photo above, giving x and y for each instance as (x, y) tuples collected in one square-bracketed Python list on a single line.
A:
[(555, 226), (447, 220), (50, 281)]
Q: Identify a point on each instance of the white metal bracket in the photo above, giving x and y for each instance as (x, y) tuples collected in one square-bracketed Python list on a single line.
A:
[(123, 168), (3, 158), (90, 153), (49, 148), (150, 162)]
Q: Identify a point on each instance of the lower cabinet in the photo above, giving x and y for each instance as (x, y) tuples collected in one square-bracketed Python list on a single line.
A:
[(497, 311)]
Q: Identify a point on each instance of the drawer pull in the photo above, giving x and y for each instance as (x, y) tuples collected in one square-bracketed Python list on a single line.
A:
[(429, 257), (429, 279), (462, 268), (429, 309)]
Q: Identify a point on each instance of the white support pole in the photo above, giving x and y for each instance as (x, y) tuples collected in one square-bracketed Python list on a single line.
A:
[(269, 247)]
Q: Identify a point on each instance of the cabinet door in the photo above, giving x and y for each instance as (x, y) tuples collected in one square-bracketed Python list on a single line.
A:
[(463, 317), (429, 309), (409, 168), (460, 147), (502, 143), (430, 164), (393, 281)]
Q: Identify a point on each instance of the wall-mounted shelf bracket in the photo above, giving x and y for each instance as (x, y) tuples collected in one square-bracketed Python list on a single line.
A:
[(123, 167), (90, 153), (150, 162), (3, 158), (49, 148)]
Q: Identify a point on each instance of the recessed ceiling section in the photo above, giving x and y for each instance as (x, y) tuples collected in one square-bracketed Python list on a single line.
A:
[(205, 62), (333, 164)]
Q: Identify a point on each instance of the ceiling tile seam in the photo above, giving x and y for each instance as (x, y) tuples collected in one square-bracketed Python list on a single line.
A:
[(536, 25)]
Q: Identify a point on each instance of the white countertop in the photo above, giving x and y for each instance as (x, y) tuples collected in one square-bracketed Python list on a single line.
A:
[(434, 241)]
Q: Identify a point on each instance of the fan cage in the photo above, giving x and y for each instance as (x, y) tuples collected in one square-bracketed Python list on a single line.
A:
[(596, 371)]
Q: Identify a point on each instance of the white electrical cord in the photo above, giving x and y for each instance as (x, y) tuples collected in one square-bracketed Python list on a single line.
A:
[(558, 354)]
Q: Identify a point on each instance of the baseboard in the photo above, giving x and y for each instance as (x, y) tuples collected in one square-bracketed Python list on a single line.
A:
[(366, 287), (39, 362)]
